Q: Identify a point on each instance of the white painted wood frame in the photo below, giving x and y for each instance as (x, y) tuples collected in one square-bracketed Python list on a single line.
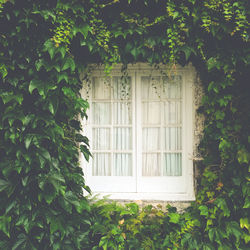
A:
[(138, 187)]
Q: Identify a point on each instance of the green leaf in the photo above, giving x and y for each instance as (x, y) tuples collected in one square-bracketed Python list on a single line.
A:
[(71, 198), (243, 156), (81, 138), (45, 154), (21, 239), (244, 223), (5, 224), (85, 151), (204, 210), (69, 64), (50, 47), (222, 204), (233, 228), (211, 234), (84, 29), (28, 140), (57, 225), (9, 96), (62, 50), (174, 217), (4, 185), (36, 84), (62, 76), (247, 202)]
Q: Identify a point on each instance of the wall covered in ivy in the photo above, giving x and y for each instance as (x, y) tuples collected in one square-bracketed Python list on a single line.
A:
[(45, 45)]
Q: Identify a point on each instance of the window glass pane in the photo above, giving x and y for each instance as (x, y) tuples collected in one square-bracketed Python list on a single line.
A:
[(172, 112), (173, 139), (101, 138), (101, 88), (122, 164), (101, 113), (151, 165), (121, 88), (172, 87), (122, 113), (151, 87), (172, 164), (122, 138), (151, 139), (151, 113), (101, 164)]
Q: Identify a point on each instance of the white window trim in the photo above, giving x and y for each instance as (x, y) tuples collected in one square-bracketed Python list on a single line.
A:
[(188, 74)]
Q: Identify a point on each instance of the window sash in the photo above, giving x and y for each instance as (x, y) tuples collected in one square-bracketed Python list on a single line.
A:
[(172, 184)]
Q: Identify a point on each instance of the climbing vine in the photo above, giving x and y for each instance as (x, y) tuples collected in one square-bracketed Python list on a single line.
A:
[(45, 46)]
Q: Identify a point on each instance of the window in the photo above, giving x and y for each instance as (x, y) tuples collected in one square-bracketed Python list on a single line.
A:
[(141, 133)]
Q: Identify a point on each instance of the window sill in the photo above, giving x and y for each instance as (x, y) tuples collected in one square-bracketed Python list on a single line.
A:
[(147, 196)]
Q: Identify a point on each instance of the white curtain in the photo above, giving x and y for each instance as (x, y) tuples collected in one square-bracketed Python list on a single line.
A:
[(161, 122), (112, 144), (161, 112)]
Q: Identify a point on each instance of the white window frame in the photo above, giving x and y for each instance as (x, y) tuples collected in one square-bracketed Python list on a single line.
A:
[(148, 189)]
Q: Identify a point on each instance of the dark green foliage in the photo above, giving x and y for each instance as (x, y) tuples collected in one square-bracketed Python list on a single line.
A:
[(44, 46), (41, 201)]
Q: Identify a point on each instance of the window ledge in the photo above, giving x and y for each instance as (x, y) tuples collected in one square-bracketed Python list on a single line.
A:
[(149, 197)]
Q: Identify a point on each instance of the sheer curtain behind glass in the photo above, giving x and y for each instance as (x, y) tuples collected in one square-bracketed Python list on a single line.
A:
[(161, 126), (112, 126)]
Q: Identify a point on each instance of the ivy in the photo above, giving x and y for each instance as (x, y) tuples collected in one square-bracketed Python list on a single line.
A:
[(45, 45)]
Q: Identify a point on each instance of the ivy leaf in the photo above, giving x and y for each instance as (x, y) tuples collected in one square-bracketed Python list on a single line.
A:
[(69, 63), (28, 140), (36, 84), (56, 225), (84, 29), (39, 63), (81, 138), (243, 156), (62, 50), (187, 51), (5, 224), (244, 223), (4, 185), (222, 204), (233, 228), (49, 46), (135, 52), (9, 96), (174, 217), (62, 76), (45, 154), (204, 210), (21, 239), (85, 152), (211, 234), (71, 198), (247, 202)]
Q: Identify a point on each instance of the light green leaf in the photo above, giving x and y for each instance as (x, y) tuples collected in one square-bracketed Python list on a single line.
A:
[(85, 29), (45, 154), (244, 223), (28, 140), (5, 224), (62, 76), (69, 63), (4, 185), (62, 50), (204, 210), (174, 217)]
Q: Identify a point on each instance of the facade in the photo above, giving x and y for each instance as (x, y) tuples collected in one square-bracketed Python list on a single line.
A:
[(142, 132)]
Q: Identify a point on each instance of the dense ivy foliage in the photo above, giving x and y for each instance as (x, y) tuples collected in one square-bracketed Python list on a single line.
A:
[(45, 45)]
